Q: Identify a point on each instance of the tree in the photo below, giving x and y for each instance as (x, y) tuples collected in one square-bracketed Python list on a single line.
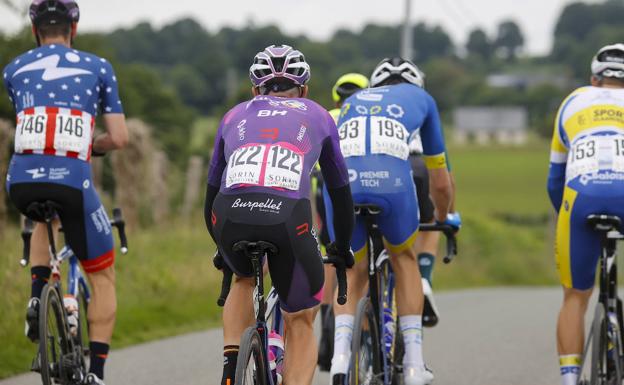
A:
[(509, 40), (479, 44)]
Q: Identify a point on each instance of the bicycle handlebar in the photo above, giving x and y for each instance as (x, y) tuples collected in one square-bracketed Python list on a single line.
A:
[(26, 235), (225, 285), (119, 222), (449, 232), (341, 275)]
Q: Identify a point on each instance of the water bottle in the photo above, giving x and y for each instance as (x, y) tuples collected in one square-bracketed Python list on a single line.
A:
[(276, 356), (388, 329), (71, 305)]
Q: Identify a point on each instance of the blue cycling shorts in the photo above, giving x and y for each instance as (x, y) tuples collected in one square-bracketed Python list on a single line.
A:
[(68, 182)]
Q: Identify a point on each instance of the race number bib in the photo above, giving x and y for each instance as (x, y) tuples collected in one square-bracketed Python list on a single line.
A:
[(389, 136), (591, 154), (268, 165), (352, 134), (58, 129)]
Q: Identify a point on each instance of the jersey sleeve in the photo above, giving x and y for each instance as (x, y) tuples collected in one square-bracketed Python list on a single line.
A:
[(110, 103), (432, 139), (558, 159), (6, 79), (333, 166), (217, 162)]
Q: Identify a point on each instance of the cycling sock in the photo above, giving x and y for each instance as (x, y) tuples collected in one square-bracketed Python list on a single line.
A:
[(411, 327), (570, 365), (230, 356), (98, 355), (40, 276), (425, 263), (342, 344)]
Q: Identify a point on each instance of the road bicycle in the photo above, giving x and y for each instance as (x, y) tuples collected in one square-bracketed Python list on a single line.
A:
[(253, 366), (377, 345), (605, 341), (62, 353)]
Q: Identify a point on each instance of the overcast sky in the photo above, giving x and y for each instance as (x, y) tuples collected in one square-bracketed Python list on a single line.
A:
[(319, 18)]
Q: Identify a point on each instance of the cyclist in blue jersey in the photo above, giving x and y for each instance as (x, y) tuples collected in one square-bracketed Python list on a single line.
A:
[(345, 86), (586, 177), (57, 92), (259, 190), (374, 127)]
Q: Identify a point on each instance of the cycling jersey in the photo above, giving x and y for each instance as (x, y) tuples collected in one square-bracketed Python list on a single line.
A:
[(586, 176), (57, 92), (265, 151), (374, 128)]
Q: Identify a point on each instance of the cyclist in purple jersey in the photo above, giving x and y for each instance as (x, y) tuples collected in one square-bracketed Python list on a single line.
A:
[(57, 92), (259, 189)]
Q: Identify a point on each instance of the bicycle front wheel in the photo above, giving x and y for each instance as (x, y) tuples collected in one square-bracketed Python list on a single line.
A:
[(250, 367), (366, 364), (53, 339)]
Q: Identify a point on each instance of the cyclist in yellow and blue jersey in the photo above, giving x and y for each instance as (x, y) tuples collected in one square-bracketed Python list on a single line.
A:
[(586, 177), (374, 128), (345, 86)]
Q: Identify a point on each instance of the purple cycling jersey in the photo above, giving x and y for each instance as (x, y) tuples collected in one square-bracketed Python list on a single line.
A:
[(270, 144)]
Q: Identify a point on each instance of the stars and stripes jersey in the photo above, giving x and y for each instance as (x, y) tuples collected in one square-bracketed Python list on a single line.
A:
[(271, 144), (57, 92), (587, 148)]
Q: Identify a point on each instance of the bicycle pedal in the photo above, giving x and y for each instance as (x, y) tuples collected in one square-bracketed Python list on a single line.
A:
[(35, 366)]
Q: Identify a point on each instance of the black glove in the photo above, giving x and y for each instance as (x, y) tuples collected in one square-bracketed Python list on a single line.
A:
[(340, 256), (218, 261)]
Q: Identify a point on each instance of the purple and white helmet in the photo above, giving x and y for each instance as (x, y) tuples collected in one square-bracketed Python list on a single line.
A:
[(279, 61), (54, 11)]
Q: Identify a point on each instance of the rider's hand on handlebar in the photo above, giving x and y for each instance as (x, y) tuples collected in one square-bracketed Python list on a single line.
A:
[(453, 220), (345, 255)]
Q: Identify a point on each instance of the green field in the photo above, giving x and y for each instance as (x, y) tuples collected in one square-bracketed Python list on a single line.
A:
[(167, 285)]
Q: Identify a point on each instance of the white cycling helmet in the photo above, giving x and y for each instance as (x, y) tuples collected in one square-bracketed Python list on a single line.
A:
[(609, 61), (397, 67)]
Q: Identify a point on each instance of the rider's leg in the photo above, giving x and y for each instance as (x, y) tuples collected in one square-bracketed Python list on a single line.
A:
[(301, 349), (237, 316), (357, 279), (101, 316), (410, 300), (426, 248), (40, 256), (570, 333)]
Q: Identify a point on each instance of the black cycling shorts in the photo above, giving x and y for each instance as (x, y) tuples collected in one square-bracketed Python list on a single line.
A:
[(421, 180), (297, 269)]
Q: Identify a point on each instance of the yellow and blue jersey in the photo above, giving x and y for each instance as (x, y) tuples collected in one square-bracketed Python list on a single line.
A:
[(586, 176)]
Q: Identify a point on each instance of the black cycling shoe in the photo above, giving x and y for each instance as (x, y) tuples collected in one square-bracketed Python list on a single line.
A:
[(32, 320), (430, 312), (326, 343), (339, 379)]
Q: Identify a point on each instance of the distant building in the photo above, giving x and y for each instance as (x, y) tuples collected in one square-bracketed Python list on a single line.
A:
[(524, 81), (483, 124)]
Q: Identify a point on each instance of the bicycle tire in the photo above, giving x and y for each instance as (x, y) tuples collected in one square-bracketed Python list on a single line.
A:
[(365, 347), (388, 301), (598, 372), (54, 341), (250, 366)]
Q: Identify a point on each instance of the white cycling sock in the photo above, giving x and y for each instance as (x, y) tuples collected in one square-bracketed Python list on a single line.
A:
[(570, 366), (342, 344), (411, 327)]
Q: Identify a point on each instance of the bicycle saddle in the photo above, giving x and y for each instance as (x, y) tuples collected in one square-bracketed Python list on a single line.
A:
[(258, 247), (42, 211), (367, 209), (602, 222)]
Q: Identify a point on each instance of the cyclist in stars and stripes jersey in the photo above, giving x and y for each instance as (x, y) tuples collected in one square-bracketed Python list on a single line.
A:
[(57, 92)]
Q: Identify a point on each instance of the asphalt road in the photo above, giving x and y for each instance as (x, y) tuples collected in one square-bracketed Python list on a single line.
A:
[(502, 336)]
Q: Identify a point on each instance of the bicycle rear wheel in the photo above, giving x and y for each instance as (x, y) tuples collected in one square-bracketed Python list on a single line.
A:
[(250, 367), (54, 342), (366, 364), (599, 359), (82, 338)]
